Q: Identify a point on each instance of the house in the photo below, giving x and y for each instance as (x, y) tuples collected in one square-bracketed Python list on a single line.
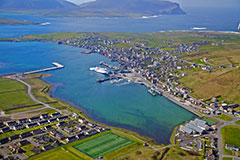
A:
[(61, 124), (15, 148), (45, 116), (232, 148), (4, 140), (34, 119), (31, 125), (211, 155), (69, 130), (14, 137), (57, 143), (37, 131), (62, 118), (81, 136), (55, 114), (47, 127), (237, 114), (24, 142), (11, 124), (92, 125), (25, 135), (1, 124), (75, 115), (52, 120), (71, 139), (18, 127), (80, 120), (47, 147), (92, 132), (4, 130), (59, 136), (43, 122), (23, 121)]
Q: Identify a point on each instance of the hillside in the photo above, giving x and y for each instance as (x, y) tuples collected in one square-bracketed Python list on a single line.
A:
[(99, 8), (36, 5), (131, 7), (4, 21)]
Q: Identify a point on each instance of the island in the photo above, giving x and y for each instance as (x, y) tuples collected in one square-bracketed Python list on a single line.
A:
[(99, 8), (5, 21), (199, 71)]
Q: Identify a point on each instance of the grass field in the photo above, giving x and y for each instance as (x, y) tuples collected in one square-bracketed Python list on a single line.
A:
[(224, 117), (238, 122), (231, 136), (13, 95), (169, 153), (68, 152), (102, 145)]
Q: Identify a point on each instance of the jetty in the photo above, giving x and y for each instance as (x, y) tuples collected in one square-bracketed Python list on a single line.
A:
[(56, 66), (108, 65)]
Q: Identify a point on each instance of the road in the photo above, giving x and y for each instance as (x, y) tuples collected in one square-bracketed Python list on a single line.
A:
[(29, 88), (220, 140)]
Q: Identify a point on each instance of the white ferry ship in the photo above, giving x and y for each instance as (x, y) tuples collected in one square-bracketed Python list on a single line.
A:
[(99, 70)]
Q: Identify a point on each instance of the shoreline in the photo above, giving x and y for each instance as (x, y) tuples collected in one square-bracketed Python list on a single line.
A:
[(109, 124), (118, 128)]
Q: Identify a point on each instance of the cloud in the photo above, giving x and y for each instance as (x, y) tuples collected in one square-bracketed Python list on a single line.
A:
[(80, 1)]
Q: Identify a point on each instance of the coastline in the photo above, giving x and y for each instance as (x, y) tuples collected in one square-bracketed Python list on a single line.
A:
[(79, 109)]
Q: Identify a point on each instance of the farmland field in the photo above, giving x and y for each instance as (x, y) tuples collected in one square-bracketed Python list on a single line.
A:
[(102, 145)]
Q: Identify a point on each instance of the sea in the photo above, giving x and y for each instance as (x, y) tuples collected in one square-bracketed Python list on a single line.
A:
[(129, 106)]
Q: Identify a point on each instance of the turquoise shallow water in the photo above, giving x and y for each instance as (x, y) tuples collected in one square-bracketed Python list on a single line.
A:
[(130, 106)]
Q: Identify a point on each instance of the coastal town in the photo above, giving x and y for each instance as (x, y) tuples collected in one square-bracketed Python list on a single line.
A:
[(159, 69), (43, 133)]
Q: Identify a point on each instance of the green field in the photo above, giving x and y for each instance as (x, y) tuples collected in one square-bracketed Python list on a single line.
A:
[(13, 96), (230, 136), (102, 145), (210, 121), (224, 117), (238, 122)]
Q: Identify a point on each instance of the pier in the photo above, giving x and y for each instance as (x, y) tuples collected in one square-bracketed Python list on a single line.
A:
[(108, 65), (56, 64)]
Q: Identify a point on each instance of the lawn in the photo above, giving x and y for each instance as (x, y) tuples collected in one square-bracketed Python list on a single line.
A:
[(102, 145), (224, 117), (231, 136)]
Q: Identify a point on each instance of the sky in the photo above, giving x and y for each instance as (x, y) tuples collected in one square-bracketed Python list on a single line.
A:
[(194, 3)]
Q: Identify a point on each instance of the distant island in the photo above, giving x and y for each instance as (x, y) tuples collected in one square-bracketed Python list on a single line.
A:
[(5, 21), (98, 8)]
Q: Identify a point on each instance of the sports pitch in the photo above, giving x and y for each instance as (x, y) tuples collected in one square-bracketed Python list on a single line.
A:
[(102, 145)]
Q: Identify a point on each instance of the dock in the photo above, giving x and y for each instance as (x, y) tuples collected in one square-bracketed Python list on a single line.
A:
[(56, 64), (108, 65)]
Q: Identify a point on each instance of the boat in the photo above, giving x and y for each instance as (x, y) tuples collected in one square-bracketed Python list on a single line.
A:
[(99, 70), (45, 23), (239, 26), (85, 52)]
